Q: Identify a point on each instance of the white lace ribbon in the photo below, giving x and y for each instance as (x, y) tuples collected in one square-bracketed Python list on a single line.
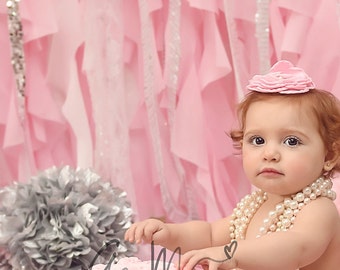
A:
[(108, 95), (152, 108), (172, 65)]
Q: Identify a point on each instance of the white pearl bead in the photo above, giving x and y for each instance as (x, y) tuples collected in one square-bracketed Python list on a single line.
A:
[(266, 222), (300, 197), (272, 214), (329, 183), (272, 227), (279, 208), (312, 196), (287, 202), (331, 194), (259, 200), (314, 186), (262, 230), (244, 219), (288, 213), (307, 190), (301, 205), (293, 204), (238, 213), (285, 222)]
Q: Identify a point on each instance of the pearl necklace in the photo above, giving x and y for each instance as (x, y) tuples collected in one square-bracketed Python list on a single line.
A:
[(280, 219)]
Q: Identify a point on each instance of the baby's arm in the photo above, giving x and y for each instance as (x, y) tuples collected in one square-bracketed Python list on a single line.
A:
[(189, 235), (313, 230)]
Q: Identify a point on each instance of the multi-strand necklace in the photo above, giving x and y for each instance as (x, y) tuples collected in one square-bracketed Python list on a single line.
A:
[(283, 216)]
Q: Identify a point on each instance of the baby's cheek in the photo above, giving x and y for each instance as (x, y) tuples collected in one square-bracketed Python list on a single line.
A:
[(304, 171)]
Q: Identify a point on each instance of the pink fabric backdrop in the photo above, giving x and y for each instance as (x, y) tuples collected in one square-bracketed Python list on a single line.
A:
[(144, 91)]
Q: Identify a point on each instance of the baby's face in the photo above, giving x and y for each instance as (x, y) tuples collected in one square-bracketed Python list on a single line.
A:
[(282, 149)]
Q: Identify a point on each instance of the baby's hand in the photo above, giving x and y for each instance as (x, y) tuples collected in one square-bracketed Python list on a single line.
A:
[(212, 258), (147, 231)]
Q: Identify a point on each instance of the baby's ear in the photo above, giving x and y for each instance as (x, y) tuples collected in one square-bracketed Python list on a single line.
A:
[(332, 158)]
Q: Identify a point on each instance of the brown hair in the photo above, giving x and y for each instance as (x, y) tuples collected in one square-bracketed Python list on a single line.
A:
[(324, 105)]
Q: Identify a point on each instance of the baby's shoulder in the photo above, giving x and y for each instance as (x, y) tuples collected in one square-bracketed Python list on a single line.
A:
[(323, 205), (321, 212)]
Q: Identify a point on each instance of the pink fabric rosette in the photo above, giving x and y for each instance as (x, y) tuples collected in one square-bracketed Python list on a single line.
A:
[(282, 78)]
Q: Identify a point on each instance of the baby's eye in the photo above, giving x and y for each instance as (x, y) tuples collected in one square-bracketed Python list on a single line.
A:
[(256, 140), (292, 141)]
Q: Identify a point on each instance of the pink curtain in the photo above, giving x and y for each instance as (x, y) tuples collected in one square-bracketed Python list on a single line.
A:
[(144, 92)]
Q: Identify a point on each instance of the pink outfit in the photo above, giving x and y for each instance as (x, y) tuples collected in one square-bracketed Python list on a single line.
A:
[(144, 91)]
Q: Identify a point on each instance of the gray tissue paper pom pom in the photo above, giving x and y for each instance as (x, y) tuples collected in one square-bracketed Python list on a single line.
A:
[(62, 219)]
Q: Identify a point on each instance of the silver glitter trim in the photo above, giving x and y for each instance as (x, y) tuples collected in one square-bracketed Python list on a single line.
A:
[(262, 34), (17, 57)]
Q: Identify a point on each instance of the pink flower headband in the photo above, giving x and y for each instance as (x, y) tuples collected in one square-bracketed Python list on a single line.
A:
[(282, 78)]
